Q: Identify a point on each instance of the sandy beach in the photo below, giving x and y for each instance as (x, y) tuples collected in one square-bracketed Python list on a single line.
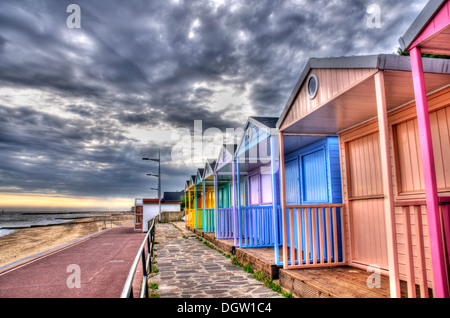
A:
[(31, 241)]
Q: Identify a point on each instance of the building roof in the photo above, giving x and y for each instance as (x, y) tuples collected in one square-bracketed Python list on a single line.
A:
[(172, 197), (222, 161), (269, 122), (199, 175), (422, 20), (210, 166)]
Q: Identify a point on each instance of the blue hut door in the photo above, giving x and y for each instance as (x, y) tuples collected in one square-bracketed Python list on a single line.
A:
[(314, 170), (292, 173)]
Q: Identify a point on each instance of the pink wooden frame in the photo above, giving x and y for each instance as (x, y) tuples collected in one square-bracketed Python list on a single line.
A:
[(434, 222), (440, 21)]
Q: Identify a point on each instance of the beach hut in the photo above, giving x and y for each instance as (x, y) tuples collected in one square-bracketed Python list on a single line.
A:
[(313, 184), (191, 219), (430, 34), (257, 157), (369, 103), (198, 197), (187, 202), (208, 193), (224, 172)]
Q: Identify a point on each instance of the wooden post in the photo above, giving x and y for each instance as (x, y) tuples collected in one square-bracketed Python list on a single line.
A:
[(283, 202), (429, 173), (233, 171), (189, 210), (216, 203), (195, 205), (274, 199), (204, 207), (389, 208), (238, 212)]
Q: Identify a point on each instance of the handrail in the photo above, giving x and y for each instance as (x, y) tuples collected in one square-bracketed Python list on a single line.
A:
[(127, 291), (322, 205)]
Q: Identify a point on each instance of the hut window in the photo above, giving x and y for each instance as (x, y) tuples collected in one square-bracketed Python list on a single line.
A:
[(313, 86)]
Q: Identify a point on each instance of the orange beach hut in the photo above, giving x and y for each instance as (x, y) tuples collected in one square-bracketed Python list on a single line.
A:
[(369, 103)]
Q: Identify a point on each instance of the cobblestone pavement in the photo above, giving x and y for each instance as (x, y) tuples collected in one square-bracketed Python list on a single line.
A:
[(190, 269)]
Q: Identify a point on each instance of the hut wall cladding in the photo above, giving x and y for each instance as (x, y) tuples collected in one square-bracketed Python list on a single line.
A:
[(333, 83), (362, 186)]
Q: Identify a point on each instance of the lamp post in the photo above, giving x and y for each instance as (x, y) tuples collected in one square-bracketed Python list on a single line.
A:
[(158, 160)]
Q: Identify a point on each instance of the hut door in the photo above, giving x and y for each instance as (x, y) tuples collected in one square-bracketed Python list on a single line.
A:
[(292, 173), (314, 177), (223, 197), (254, 189), (366, 202)]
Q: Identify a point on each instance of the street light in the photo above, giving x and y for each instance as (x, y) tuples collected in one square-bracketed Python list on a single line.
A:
[(158, 160)]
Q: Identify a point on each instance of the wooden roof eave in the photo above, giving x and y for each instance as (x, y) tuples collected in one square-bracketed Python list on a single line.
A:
[(425, 17)]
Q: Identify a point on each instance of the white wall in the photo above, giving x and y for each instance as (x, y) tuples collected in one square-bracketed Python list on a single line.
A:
[(152, 210)]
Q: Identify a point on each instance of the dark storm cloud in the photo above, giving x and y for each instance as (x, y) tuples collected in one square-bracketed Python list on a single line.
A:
[(141, 64)]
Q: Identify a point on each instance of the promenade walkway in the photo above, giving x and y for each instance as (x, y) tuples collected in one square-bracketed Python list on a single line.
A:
[(100, 263), (190, 269), (187, 269)]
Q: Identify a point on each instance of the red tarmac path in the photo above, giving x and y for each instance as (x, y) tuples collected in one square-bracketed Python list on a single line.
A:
[(104, 262)]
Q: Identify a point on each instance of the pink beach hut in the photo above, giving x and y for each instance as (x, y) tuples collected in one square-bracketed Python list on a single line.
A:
[(368, 102), (430, 34)]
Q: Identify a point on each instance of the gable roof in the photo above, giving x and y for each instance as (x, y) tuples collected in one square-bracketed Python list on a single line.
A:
[(199, 176), (192, 181), (374, 62), (265, 126), (209, 168), (225, 157)]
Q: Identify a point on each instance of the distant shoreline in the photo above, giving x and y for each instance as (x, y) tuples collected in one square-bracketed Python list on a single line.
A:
[(54, 219), (72, 212)]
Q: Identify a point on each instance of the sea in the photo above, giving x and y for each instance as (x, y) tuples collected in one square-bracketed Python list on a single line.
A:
[(12, 221)]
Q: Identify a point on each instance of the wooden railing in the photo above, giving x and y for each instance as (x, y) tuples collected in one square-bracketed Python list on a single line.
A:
[(313, 236), (208, 220), (199, 218), (256, 226), (416, 208), (225, 223), (415, 258), (190, 217)]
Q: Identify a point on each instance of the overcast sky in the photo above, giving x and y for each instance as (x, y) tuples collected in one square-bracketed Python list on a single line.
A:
[(79, 108)]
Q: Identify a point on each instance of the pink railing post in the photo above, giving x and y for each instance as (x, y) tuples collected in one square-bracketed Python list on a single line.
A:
[(429, 172)]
